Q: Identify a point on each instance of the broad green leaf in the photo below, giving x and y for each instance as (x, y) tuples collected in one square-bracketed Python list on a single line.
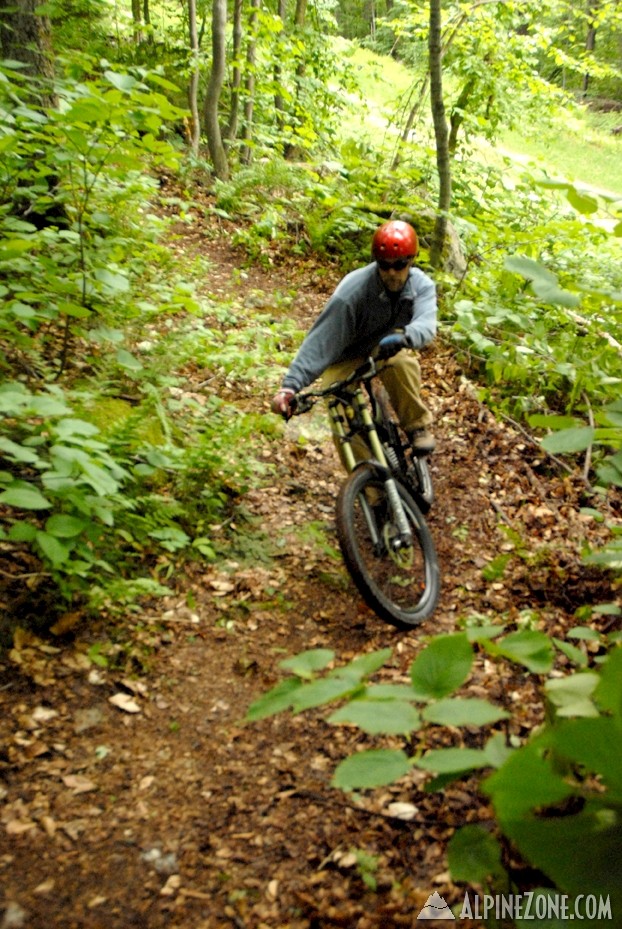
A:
[(24, 498), (307, 663), (463, 711), (124, 82), (576, 852), (608, 694), (453, 760), (497, 750), (583, 203), (571, 652), (530, 648), (64, 526), (553, 293), (473, 855), (18, 452), (545, 900), (373, 768), (608, 557), (529, 269), (592, 743), (608, 609), (22, 532), (115, 282), (389, 717), (442, 666), (75, 310), (479, 633), (365, 665), (568, 441), (541, 421), (583, 632), (572, 695), (275, 700), (526, 781), (389, 692), (324, 690), (56, 553), (42, 405), (11, 248), (68, 428), (127, 360)]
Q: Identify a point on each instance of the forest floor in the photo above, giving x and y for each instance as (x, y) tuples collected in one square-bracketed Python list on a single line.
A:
[(141, 798)]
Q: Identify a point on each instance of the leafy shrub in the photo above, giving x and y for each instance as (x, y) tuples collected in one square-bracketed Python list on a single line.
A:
[(556, 796)]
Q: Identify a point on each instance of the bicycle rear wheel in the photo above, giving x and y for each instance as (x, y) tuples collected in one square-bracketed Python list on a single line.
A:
[(402, 584)]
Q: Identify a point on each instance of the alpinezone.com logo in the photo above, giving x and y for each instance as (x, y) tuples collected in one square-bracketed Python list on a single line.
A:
[(531, 905)]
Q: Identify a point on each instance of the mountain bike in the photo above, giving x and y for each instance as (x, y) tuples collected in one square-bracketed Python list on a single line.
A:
[(384, 539)]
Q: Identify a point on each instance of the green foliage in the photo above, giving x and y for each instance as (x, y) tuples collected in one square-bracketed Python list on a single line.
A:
[(101, 488), (72, 181), (559, 789)]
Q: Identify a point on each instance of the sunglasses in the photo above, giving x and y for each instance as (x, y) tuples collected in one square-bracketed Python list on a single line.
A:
[(398, 265)]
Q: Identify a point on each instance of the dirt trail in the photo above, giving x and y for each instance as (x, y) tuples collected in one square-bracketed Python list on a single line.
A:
[(168, 810)]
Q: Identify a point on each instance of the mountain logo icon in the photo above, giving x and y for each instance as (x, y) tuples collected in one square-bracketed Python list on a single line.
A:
[(435, 908)]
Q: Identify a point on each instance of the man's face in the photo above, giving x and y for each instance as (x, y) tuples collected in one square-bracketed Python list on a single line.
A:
[(394, 274)]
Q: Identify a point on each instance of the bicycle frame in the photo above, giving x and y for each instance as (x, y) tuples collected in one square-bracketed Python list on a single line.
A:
[(350, 415)]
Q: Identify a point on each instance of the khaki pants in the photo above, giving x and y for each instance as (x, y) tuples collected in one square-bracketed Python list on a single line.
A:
[(401, 376)]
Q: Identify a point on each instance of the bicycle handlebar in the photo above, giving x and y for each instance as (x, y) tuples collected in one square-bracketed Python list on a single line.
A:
[(304, 402)]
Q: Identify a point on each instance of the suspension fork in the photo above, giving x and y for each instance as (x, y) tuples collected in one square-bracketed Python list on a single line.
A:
[(357, 410)]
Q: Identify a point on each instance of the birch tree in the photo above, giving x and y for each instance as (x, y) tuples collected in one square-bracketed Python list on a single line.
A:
[(441, 132), (215, 145)]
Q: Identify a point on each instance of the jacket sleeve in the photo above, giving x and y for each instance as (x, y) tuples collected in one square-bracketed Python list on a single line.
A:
[(323, 345), (422, 327)]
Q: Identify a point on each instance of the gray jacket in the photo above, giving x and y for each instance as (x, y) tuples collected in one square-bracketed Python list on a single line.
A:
[(359, 313)]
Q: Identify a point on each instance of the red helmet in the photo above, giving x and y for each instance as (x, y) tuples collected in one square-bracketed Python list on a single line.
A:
[(393, 240)]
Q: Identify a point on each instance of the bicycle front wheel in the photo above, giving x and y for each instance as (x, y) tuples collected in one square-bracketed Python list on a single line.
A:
[(400, 583)]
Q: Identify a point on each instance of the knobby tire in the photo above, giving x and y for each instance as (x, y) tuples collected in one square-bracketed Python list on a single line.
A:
[(402, 588)]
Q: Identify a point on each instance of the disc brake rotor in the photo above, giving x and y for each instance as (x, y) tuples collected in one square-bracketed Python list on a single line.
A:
[(401, 556)]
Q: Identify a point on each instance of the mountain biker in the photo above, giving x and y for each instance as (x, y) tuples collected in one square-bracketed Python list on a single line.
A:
[(384, 308)]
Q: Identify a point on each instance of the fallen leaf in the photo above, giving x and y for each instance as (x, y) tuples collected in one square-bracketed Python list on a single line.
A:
[(405, 811), (125, 702), (42, 714), (173, 884), (273, 890), (221, 588), (135, 687), (19, 826), (45, 887), (66, 623), (78, 783)]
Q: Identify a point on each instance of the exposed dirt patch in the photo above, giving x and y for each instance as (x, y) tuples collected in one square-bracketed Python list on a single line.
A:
[(168, 810)]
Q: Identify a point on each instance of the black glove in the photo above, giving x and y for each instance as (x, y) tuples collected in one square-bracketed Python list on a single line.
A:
[(390, 345)]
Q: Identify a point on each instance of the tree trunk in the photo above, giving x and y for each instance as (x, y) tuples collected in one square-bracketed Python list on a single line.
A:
[(412, 116), (137, 19), (236, 83), (249, 105), (26, 36), (457, 114), (279, 102), (590, 41), (147, 20), (291, 151), (214, 89), (193, 88), (440, 132)]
